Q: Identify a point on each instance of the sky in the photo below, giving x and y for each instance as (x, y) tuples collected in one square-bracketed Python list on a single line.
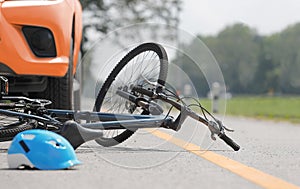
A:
[(208, 17)]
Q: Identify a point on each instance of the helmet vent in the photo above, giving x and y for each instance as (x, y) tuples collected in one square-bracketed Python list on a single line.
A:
[(24, 146), (28, 136), (54, 143)]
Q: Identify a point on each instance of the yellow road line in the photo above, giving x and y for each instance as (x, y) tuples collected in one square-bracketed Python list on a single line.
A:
[(256, 176)]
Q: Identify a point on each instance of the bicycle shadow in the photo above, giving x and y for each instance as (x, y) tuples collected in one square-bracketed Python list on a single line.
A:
[(118, 149)]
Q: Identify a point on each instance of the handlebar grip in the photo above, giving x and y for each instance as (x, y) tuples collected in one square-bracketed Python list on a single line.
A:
[(230, 142)]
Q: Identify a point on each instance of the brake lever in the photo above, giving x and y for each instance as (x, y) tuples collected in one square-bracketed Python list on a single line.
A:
[(214, 129), (217, 128), (223, 126)]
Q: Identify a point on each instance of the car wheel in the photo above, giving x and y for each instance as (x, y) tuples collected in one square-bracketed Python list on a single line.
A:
[(60, 90)]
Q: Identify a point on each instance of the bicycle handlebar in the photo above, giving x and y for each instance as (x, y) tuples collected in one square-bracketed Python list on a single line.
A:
[(215, 127), (230, 142)]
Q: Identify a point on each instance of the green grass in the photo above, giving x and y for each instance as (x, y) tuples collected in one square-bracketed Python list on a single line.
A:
[(279, 108)]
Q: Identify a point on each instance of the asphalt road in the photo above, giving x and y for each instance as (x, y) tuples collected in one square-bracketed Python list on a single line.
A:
[(269, 158)]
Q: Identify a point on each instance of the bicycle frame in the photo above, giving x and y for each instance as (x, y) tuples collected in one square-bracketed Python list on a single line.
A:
[(66, 122), (109, 121), (78, 134), (105, 121)]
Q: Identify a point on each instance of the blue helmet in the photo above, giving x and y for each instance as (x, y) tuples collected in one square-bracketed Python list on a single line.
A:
[(41, 149)]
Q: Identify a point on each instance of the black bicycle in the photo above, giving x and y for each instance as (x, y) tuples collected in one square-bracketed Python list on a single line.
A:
[(129, 99)]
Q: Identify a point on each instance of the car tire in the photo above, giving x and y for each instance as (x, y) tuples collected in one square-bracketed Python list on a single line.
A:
[(60, 90)]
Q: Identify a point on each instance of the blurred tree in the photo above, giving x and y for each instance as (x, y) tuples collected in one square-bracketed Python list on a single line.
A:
[(267, 73), (101, 16), (236, 50), (190, 73), (252, 63), (285, 49)]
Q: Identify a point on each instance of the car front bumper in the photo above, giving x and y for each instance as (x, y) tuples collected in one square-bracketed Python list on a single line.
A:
[(15, 52)]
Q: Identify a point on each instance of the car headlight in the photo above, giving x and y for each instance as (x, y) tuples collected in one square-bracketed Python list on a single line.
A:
[(40, 40)]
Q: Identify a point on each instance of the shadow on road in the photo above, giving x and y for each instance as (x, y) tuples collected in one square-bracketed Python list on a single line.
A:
[(91, 149)]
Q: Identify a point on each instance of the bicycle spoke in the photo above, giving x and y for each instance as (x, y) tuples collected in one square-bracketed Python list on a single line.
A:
[(140, 65)]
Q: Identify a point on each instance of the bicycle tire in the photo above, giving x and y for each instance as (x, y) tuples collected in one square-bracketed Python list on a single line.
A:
[(8, 133), (156, 51)]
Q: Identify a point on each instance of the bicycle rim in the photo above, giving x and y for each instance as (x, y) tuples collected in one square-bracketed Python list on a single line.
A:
[(147, 62)]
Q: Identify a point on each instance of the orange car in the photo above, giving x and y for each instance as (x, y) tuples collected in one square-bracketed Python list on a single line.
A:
[(39, 48)]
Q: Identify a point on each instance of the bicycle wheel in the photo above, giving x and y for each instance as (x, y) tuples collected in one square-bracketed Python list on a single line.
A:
[(148, 61), (10, 127)]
